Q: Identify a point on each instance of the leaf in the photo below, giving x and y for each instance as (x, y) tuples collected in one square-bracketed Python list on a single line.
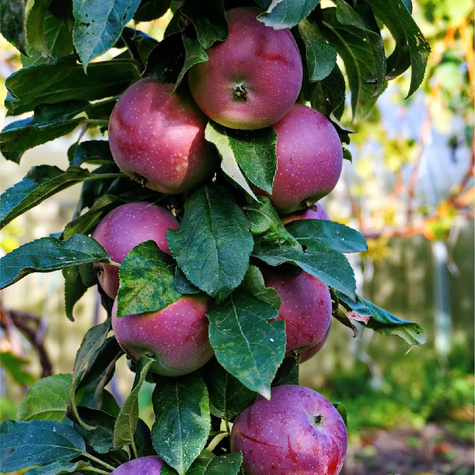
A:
[(40, 183), (99, 25), (335, 235), (328, 96), (213, 243), (194, 54), (151, 10), (252, 151), (147, 278), (245, 342), (47, 399), (208, 464), (63, 79), (182, 420), (77, 280), (254, 284), (58, 468), (15, 365), (100, 438), (227, 395), (321, 57), (281, 14), (49, 254), (24, 444), (183, 285), (11, 23), (127, 420), (92, 151)]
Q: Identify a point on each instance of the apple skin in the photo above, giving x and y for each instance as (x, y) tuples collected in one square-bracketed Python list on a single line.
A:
[(253, 78), (158, 138), (176, 336), (309, 159), (125, 227), (317, 211), (297, 432), (150, 465), (306, 308)]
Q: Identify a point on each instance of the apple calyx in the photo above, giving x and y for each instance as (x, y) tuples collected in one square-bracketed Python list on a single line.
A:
[(240, 92), (318, 419), (140, 179)]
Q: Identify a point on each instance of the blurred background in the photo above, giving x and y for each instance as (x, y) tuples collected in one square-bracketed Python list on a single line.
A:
[(410, 191)]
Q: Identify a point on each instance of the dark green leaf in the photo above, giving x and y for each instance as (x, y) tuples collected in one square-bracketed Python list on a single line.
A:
[(183, 285), (213, 244), (17, 368), (77, 280), (59, 468), (100, 438), (99, 25), (208, 464), (321, 57), (194, 54), (47, 399), (49, 254), (328, 95), (167, 59), (288, 372), (254, 284), (147, 277), (182, 420), (285, 13), (151, 10), (24, 444), (92, 151), (246, 343), (252, 151), (12, 18)]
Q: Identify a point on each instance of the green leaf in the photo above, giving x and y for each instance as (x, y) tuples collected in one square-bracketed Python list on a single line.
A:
[(411, 46), (246, 343), (182, 420), (321, 57), (59, 468), (208, 464), (17, 368), (127, 420), (194, 54), (63, 80), (99, 25), (77, 280), (40, 183), (209, 20), (254, 284), (285, 13), (147, 277), (213, 243), (11, 23), (328, 96), (99, 439), (24, 444), (47, 399), (49, 254), (151, 10), (92, 151), (252, 151), (336, 236), (227, 395), (183, 285)]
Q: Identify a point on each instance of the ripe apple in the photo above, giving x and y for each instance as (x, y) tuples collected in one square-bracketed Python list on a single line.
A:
[(125, 227), (253, 78), (176, 336), (158, 138), (309, 159), (306, 309), (150, 465), (297, 432), (317, 211)]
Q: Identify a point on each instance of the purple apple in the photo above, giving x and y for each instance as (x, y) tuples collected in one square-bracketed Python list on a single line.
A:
[(124, 228), (309, 159), (150, 465), (253, 78), (306, 309), (176, 336), (158, 138), (317, 211), (297, 432)]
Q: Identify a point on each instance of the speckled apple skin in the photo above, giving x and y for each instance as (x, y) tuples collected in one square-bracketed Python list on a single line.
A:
[(315, 212), (158, 138), (309, 159), (266, 62), (177, 336), (125, 227), (282, 436), (306, 308), (151, 465)]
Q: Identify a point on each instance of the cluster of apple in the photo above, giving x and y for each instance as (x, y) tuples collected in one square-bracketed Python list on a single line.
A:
[(252, 80)]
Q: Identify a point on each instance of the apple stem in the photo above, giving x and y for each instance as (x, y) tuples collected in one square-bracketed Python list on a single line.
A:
[(99, 461), (216, 440)]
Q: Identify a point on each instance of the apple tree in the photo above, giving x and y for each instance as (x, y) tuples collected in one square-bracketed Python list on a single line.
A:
[(198, 220)]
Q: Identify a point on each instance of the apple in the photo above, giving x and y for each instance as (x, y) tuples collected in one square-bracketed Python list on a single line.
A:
[(317, 211), (306, 309), (150, 465), (176, 336), (297, 432), (125, 227), (309, 159), (252, 79), (158, 139)]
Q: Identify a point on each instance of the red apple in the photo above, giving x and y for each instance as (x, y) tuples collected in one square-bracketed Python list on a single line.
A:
[(176, 336), (309, 159), (306, 309), (158, 138), (151, 465), (124, 228), (253, 78), (297, 432), (317, 211)]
